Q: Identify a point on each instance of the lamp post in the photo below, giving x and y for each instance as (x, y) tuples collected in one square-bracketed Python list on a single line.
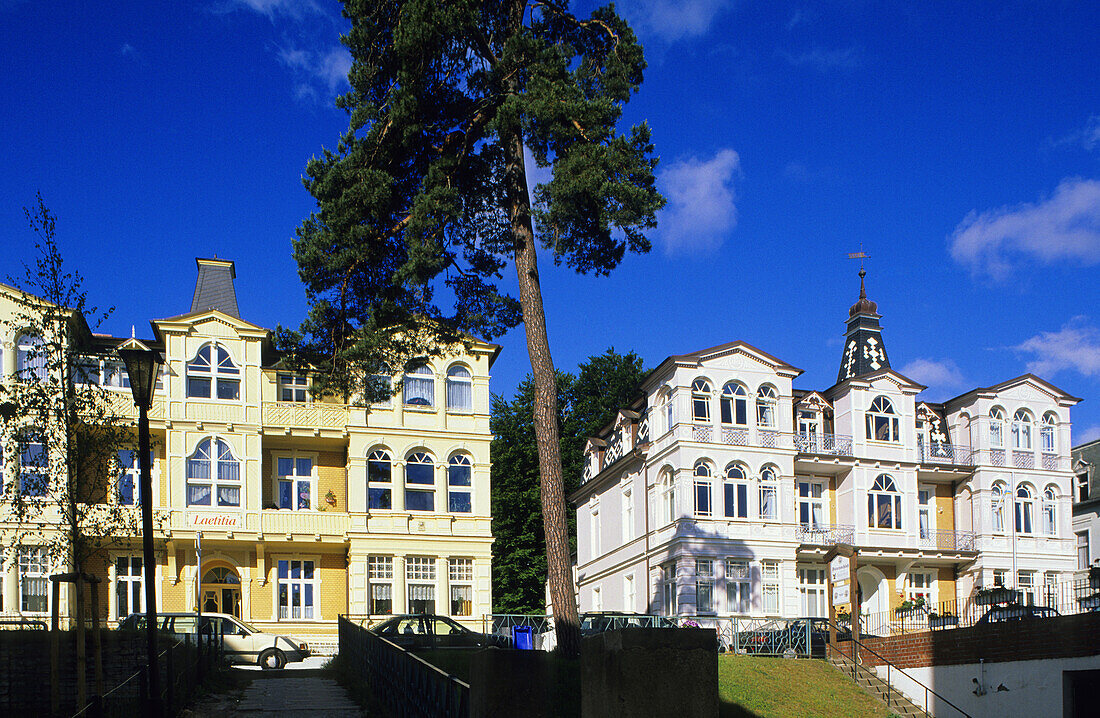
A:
[(143, 366)]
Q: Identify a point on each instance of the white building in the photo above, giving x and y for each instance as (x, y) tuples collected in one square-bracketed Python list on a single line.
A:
[(720, 490)]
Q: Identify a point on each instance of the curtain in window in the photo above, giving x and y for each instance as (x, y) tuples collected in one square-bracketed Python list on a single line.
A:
[(381, 598), (460, 389), (198, 495), (767, 502), (462, 600), (420, 387), (229, 496), (35, 590), (923, 518)]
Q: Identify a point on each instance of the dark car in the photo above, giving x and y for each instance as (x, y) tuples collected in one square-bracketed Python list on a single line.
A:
[(599, 621), (427, 630), (1015, 612)]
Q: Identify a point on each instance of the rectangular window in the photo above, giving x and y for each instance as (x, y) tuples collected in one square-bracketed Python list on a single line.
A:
[(293, 388), (738, 587), (380, 577), (669, 604), (630, 597), (129, 585), (702, 497), (34, 468), (628, 515), (34, 583), (811, 589), (1050, 589), (767, 501), (1083, 487), (128, 488), (1083, 558), (704, 586), (594, 532), (294, 482), (736, 500), (296, 589), (920, 584), (420, 576), (769, 574), (1025, 581), (999, 576), (924, 512), (460, 571), (810, 505)]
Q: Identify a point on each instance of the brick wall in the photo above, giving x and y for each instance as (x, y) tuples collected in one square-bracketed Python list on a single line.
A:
[(1059, 637)]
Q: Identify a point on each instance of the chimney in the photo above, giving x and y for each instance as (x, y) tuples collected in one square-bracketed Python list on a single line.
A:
[(214, 287)]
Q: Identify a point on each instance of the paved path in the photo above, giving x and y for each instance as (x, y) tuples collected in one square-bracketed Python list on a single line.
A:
[(296, 694)]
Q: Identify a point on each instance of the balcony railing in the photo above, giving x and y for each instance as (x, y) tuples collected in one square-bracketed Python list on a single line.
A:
[(1021, 459), (945, 454), (947, 540), (825, 534), (831, 444), (306, 415)]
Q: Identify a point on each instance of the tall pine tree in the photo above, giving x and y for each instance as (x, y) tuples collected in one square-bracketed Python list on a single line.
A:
[(425, 198)]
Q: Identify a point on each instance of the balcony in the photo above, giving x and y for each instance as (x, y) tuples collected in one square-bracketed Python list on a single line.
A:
[(305, 415), (825, 534), (945, 454), (1021, 459), (947, 540), (274, 523), (829, 444)]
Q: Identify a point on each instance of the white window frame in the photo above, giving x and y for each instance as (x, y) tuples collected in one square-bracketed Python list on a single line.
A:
[(455, 488), (1025, 583), (30, 359), (1025, 510), (219, 371), (33, 476), (770, 587), (734, 404), (380, 455), (700, 401), (460, 575), (767, 406), (812, 592), (460, 389), (926, 516), (594, 530), (669, 410), (738, 586), (703, 484), (129, 585), (310, 586), (667, 488), (33, 566), (418, 389), (669, 595), (1050, 511), (997, 428), (1084, 557), (630, 593), (811, 495), (213, 481), (1048, 433), (883, 419), (295, 479), (420, 573), (884, 492), (1021, 430), (735, 492), (380, 576), (704, 587), (294, 386), (997, 500), (999, 576), (628, 514), (921, 582), (769, 494), (420, 458)]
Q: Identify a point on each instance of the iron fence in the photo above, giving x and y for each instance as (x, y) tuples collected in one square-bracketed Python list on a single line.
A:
[(994, 605), (19, 622), (402, 683)]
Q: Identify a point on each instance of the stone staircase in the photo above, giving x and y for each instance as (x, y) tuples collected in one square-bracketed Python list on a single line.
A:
[(868, 680)]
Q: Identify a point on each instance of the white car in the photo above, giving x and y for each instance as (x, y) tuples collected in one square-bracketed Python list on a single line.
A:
[(241, 642)]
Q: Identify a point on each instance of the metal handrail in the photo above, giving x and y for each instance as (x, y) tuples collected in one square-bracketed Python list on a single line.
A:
[(889, 665)]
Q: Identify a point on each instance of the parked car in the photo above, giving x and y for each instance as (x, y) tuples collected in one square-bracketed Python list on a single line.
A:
[(1015, 612), (241, 642), (600, 621), (427, 630)]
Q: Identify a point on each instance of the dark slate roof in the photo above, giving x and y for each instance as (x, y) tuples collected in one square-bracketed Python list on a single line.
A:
[(864, 351), (214, 287)]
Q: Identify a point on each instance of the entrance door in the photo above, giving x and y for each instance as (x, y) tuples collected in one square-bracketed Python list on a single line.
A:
[(875, 603), (221, 591), (808, 427)]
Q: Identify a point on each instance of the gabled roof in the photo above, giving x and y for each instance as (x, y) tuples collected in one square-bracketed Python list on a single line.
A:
[(195, 317), (734, 347), (1022, 379), (898, 377)]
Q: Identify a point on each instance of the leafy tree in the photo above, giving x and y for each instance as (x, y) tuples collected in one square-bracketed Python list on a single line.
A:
[(587, 402), (424, 201), (61, 432)]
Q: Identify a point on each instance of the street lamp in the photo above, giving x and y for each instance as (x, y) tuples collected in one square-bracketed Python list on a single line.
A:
[(143, 367)]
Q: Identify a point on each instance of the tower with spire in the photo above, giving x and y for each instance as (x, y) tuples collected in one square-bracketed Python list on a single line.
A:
[(864, 350)]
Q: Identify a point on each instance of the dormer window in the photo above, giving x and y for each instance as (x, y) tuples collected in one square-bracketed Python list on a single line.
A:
[(882, 421), (213, 370)]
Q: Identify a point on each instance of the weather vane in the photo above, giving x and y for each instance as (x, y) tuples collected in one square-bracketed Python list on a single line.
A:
[(860, 255)]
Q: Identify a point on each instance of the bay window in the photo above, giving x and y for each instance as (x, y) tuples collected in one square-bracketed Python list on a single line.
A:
[(212, 470)]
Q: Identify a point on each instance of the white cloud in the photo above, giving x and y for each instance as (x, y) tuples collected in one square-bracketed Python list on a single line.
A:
[(1087, 137), (1064, 227), (127, 50), (1086, 435), (701, 209), (797, 18), (286, 8), (1075, 346), (942, 376), (672, 20), (327, 68), (824, 60)]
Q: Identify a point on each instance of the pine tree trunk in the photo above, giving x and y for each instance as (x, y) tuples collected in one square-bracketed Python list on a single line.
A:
[(551, 484)]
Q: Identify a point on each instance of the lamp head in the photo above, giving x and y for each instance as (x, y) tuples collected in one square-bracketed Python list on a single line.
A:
[(143, 366)]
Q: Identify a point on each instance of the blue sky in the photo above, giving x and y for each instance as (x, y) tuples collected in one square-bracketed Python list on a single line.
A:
[(957, 143)]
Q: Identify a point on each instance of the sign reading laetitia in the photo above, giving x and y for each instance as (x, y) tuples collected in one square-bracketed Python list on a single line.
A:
[(227, 521)]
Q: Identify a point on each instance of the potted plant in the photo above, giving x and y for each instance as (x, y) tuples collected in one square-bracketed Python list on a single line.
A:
[(910, 607), (996, 594), (330, 498)]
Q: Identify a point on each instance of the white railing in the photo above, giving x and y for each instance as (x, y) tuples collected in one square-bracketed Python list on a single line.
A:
[(829, 444), (945, 454), (825, 534), (305, 414)]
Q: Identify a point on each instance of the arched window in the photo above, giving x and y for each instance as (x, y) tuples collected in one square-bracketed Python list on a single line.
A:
[(735, 404), (30, 358), (736, 492), (213, 470), (997, 507), (884, 504), (213, 367), (458, 484), (667, 489), (1021, 430), (882, 421), (1025, 501), (700, 400), (765, 406), (996, 427), (1050, 516), (769, 490), (703, 476), (664, 408), (420, 386), (379, 480), (1050, 424), (34, 465), (419, 482), (460, 388)]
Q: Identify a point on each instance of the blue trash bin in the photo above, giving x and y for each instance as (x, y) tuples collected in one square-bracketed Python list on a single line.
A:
[(524, 638)]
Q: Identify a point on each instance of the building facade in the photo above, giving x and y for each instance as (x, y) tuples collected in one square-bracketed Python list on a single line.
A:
[(278, 507), (1086, 504), (719, 491)]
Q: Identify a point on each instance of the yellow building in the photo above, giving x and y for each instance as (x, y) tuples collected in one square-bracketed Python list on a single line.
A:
[(302, 509)]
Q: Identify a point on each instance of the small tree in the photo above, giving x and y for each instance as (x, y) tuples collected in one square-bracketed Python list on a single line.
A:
[(60, 433), (426, 195)]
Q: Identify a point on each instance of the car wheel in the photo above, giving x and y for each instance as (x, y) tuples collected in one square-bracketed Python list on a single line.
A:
[(272, 658)]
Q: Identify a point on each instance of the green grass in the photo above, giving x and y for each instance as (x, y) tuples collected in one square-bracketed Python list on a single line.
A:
[(752, 687)]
